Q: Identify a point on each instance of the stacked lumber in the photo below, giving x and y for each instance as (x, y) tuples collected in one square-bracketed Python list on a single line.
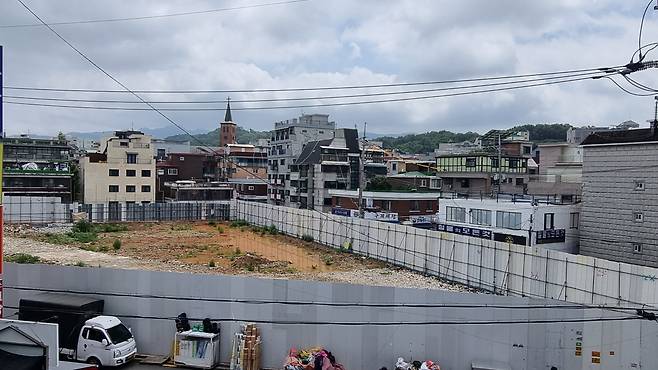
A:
[(245, 351)]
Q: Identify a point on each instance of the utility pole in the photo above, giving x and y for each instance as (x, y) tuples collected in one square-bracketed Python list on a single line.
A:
[(500, 162), (361, 169)]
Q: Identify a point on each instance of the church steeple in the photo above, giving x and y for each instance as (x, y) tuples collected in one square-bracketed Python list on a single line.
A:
[(227, 116), (227, 127)]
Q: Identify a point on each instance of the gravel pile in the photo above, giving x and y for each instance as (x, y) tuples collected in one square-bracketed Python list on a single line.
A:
[(53, 228)]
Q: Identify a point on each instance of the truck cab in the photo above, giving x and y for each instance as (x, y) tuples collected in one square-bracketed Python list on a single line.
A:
[(105, 341)]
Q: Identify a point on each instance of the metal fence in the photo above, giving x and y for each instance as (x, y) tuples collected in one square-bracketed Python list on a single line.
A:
[(497, 267), (45, 210)]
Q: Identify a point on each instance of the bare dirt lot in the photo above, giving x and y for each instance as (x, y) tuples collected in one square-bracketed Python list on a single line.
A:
[(201, 247)]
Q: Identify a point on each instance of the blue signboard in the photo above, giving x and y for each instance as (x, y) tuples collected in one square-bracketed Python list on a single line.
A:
[(465, 230), (551, 236)]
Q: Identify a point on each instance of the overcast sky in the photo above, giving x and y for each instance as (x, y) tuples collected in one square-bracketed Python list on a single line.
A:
[(328, 43)]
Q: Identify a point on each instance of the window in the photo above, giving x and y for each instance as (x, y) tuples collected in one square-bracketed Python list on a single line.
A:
[(162, 153), (146, 173), (114, 172), (519, 181), (123, 143), (182, 159), (131, 158), (481, 217), (423, 183), (394, 166), (386, 205), (549, 221), (456, 214), (508, 220), (114, 188), (327, 201), (415, 206), (638, 216), (464, 183), (639, 185), (527, 149), (574, 220), (513, 163), (494, 162), (637, 248), (172, 171), (161, 172), (131, 173), (146, 202), (130, 188), (146, 188), (96, 335), (470, 162), (250, 187), (435, 184), (283, 162)]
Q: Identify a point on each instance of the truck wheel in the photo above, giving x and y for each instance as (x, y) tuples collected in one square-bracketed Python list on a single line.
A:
[(94, 361)]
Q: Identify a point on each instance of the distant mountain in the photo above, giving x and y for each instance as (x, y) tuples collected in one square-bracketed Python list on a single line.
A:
[(427, 142), (159, 133), (212, 138)]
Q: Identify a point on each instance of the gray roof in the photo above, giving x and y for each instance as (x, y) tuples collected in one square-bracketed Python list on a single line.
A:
[(311, 151)]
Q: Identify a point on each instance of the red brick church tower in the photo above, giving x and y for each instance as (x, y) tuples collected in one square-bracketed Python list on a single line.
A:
[(227, 127)]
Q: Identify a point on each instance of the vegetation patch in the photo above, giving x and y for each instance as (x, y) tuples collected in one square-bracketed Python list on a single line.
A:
[(22, 258)]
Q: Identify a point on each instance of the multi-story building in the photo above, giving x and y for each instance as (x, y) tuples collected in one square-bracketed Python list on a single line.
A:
[(416, 207), (286, 144), (576, 135), (198, 167), (164, 147), (122, 172), (479, 172), (620, 192), (560, 172), (530, 222), (323, 165), (37, 167)]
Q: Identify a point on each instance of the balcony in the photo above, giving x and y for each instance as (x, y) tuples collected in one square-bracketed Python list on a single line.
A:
[(564, 178), (45, 172)]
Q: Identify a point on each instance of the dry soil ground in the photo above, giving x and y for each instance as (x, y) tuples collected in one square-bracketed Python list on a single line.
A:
[(209, 248)]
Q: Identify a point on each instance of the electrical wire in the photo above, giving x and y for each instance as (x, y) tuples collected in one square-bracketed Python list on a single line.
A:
[(208, 11), (612, 69), (639, 38), (592, 74), (627, 91), (415, 98)]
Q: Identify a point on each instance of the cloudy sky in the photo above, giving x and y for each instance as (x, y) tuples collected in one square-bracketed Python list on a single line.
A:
[(325, 43)]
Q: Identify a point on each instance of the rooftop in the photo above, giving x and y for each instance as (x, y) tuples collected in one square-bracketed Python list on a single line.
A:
[(621, 137)]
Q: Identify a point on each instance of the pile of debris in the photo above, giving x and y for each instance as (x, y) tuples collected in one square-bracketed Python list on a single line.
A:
[(315, 358)]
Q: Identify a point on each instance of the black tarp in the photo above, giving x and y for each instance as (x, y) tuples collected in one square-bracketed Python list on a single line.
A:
[(13, 361), (69, 311)]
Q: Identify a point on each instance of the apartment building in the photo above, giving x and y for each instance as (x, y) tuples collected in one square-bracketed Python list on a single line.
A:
[(530, 222), (37, 167), (560, 171), (620, 189), (396, 206), (576, 135), (122, 172), (286, 144), (324, 165)]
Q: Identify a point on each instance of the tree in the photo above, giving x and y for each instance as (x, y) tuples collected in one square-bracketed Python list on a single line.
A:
[(61, 136)]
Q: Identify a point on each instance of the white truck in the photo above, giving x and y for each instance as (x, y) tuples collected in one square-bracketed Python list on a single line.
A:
[(84, 333)]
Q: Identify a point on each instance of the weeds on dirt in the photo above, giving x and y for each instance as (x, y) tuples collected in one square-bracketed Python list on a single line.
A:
[(181, 227), (211, 263), (116, 245), (328, 260), (80, 264), (212, 223), (239, 223), (110, 228), (307, 238), (103, 248), (22, 258), (220, 229)]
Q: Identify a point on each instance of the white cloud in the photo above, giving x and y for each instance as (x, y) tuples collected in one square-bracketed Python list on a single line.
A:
[(319, 43)]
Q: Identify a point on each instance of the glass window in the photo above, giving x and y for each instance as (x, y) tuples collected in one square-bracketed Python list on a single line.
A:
[(549, 221), (114, 172), (494, 162), (456, 214), (415, 205), (131, 173), (637, 248), (146, 173), (172, 171), (470, 162), (638, 216), (131, 158), (96, 335), (513, 163), (481, 217), (114, 188), (130, 188), (639, 185), (146, 188), (574, 220), (161, 171), (508, 220)]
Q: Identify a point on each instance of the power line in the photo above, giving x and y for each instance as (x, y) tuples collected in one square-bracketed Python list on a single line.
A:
[(608, 70), (152, 16), (591, 74), (365, 102), (639, 37)]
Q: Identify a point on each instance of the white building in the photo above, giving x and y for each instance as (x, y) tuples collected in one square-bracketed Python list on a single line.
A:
[(122, 172), (286, 144), (526, 222)]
